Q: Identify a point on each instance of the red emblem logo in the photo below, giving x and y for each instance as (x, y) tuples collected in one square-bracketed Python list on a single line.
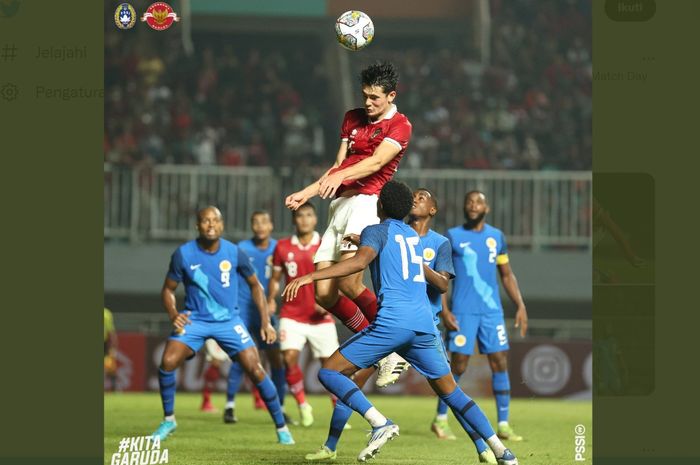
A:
[(160, 16)]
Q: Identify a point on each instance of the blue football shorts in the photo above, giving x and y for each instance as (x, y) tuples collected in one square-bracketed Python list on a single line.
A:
[(251, 320), (425, 351), (486, 329), (232, 335)]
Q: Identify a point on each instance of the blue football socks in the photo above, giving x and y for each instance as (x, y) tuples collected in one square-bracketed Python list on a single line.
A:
[(501, 391), (167, 383)]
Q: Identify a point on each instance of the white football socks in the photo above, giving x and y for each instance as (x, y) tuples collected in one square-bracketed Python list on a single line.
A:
[(496, 446), (375, 418)]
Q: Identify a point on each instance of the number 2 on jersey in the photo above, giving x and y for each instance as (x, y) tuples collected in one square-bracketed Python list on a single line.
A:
[(411, 242)]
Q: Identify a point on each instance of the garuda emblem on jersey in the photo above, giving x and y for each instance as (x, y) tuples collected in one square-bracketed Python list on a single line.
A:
[(160, 16), (375, 133), (125, 16)]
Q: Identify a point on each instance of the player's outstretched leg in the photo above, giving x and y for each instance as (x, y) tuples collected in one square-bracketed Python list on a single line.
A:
[(339, 421), (251, 364), (467, 412), (341, 415), (383, 429), (235, 377), (174, 354), (390, 369), (391, 366)]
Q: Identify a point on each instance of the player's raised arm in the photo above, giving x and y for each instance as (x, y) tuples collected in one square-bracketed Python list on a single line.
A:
[(510, 283), (299, 198), (386, 151), (359, 262)]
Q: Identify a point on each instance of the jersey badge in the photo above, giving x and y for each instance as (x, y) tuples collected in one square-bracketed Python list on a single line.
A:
[(376, 133), (225, 265), (125, 16), (460, 340), (428, 254), (160, 16)]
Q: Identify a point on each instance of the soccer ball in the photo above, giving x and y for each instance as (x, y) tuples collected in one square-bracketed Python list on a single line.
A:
[(354, 30)]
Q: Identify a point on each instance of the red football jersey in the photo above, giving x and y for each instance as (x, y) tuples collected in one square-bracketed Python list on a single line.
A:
[(298, 260), (364, 136)]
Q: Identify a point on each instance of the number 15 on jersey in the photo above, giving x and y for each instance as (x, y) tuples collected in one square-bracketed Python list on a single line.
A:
[(408, 244)]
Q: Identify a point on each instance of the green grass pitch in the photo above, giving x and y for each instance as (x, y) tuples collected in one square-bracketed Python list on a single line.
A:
[(203, 438)]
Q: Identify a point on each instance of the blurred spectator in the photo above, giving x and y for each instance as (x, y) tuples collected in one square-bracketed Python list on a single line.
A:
[(265, 101), (110, 349)]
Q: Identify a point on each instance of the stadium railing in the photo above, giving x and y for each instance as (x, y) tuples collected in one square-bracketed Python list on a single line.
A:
[(535, 209), (554, 329)]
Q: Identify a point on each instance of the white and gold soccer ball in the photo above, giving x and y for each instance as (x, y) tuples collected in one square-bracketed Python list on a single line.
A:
[(354, 30)]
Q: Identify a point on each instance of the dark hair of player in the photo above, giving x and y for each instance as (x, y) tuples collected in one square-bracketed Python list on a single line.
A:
[(260, 212), (306, 205), (396, 199), (433, 199), (382, 74)]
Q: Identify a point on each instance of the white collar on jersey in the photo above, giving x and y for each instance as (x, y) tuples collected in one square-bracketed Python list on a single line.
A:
[(315, 240), (389, 114)]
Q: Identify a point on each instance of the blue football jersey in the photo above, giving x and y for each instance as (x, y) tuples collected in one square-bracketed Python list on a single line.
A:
[(437, 254), (211, 292), (476, 256), (261, 260), (397, 276)]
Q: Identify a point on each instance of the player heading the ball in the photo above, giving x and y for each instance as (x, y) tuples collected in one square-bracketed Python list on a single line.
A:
[(373, 139)]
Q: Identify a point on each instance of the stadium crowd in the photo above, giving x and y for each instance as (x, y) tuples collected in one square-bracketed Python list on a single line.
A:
[(237, 104)]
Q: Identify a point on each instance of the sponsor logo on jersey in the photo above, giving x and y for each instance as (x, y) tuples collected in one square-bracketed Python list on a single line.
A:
[(160, 16), (460, 340), (125, 16), (194, 267), (225, 265)]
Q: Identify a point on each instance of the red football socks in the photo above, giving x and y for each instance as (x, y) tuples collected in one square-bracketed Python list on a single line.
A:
[(367, 302), (295, 380), (349, 314)]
